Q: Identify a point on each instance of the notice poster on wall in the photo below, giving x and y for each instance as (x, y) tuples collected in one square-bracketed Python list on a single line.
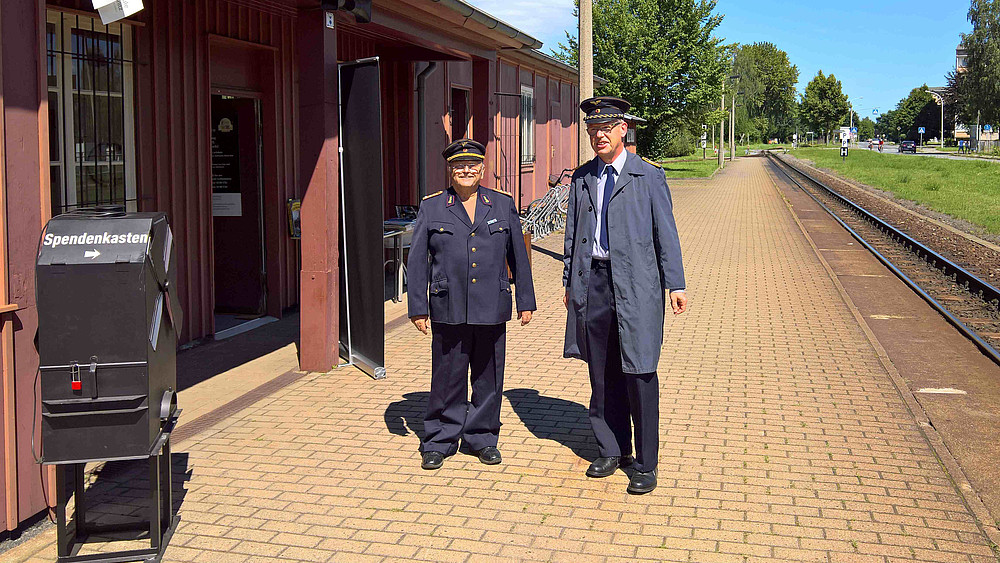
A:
[(226, 198)]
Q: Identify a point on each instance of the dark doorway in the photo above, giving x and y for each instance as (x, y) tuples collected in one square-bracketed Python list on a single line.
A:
[(237, 218), (459, 114)]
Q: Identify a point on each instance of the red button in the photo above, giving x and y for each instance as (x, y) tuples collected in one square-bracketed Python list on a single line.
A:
[(77, 385)]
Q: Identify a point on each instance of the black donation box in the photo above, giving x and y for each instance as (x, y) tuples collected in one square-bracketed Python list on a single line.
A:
[(108, 317)]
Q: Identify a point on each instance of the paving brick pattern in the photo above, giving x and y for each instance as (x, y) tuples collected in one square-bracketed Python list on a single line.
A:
[(783, 439)]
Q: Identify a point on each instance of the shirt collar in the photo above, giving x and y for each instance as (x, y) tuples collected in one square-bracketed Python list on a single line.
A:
[(618, 164)]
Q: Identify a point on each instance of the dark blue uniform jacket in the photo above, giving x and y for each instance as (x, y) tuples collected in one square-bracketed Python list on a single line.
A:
[(465, 264)]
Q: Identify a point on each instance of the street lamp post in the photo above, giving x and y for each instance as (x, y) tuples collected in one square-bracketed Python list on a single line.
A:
[(940, 100), (732, 120)]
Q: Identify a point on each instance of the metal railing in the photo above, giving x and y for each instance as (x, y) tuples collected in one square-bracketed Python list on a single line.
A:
[(547, 214)]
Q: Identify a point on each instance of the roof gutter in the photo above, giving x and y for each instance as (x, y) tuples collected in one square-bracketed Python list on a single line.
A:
[(490, 22)]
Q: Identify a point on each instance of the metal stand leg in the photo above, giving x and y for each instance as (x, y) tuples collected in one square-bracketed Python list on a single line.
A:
[(62, 536)]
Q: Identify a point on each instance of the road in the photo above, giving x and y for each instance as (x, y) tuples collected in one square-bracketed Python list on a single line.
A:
[(892, 148)]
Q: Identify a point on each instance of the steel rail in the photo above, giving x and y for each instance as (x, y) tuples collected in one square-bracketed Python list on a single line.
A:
[(957, 271)]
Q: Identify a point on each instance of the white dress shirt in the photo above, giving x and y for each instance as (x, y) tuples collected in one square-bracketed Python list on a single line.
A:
[(618, 164)]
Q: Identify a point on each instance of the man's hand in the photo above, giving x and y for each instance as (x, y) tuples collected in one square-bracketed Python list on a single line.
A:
[(566, 299), (525, 317), (421, 322), (678, 302)]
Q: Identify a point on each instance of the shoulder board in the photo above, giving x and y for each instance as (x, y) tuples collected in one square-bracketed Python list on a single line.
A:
[(651, 162), (433, 194)]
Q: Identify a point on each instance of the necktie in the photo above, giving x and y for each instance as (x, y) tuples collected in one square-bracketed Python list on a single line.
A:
[(609, 186)]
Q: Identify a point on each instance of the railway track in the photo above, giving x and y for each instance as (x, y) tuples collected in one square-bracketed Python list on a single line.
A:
[(969, 303)]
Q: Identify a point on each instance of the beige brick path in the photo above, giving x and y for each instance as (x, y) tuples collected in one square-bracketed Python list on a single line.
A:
[(783, 439)]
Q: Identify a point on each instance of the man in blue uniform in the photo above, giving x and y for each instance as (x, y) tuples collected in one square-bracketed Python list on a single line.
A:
[(464, 239), (621, 255)]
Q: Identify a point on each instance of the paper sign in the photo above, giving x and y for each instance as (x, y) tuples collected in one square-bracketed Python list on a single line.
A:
[(114, 10)]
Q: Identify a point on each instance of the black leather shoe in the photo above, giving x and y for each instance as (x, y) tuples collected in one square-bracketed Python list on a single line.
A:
[(642, 482), (432, 460), (489, 455), (606, 466)]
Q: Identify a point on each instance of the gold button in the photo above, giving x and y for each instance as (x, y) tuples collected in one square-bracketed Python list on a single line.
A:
[(473, 280), (473, 248), (472, 235), (441, 230), (473, 264), (501, 229)]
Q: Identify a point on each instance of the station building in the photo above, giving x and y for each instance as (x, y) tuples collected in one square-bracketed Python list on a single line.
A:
[(224, 114)]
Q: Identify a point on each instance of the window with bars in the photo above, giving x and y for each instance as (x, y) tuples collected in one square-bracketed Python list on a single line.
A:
[(90, 94), (527, 125)]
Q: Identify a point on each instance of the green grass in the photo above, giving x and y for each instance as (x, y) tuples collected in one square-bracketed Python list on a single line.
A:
[(690, 167), (965, 189)]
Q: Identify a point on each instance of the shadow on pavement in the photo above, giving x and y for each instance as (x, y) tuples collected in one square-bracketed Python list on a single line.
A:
[(202, 362), (557, 255), (403, 417), (549, 418)]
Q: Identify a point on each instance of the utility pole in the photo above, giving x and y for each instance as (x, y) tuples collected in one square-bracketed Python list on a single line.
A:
[(586, 44), (722, 135), (732, 130)]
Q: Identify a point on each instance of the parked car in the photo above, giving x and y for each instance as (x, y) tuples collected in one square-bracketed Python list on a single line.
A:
[(910, 146)]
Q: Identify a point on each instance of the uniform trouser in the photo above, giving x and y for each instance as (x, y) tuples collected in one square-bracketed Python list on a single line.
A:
[(616, 396), (450, 416)]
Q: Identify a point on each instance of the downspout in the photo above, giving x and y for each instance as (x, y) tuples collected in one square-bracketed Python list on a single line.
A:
[(422, 130)]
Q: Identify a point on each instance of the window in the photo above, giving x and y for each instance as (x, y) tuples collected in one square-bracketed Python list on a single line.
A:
[(91, 135), (459, 114), (527, 125)]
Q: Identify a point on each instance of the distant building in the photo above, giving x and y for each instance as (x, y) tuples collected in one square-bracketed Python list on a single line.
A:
[(961, 65)]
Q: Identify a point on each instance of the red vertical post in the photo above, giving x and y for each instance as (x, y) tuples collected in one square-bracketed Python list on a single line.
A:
[(319, 122), (483, 86)]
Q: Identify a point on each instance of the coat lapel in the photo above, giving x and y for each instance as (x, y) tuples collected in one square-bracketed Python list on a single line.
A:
[(455, 205), (484, 203), (629, 170), (590, 181)]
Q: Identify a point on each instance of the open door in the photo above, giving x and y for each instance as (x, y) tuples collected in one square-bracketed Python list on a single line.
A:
[(237, 210), (362, 282)]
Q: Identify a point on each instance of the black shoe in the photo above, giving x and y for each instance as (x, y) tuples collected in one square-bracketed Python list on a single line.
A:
[(432, 460), (489, 455), (642, 482), (606, 466)]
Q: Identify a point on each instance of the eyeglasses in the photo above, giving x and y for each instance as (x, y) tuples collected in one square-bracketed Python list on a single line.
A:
[(606, 129), (475, 167)]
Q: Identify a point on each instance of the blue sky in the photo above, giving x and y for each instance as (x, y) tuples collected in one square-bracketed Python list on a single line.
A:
[(879, 50)]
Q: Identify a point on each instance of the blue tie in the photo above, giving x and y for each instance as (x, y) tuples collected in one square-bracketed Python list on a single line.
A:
[(609, 186)]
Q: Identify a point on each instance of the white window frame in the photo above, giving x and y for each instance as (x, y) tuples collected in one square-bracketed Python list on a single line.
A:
[(527, 119), (65, 24)]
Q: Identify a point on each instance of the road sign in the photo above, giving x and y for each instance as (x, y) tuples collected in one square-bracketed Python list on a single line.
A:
[(854, 129), (875, 112), (843, 152), (987, 128), (921, 130), (844, 141), (704, 143)]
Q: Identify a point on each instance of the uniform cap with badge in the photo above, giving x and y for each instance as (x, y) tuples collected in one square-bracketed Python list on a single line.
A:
[(464, 149), (600, 109)]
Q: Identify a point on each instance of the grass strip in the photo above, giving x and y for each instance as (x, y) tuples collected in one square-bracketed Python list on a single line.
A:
[(964, 189)]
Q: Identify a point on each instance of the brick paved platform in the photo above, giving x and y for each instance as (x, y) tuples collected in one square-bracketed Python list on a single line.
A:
[(783, 438)]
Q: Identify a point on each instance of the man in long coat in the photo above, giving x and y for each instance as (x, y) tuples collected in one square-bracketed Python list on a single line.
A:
[(621, 255)]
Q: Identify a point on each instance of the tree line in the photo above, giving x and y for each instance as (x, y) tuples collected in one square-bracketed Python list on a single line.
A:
[(663, 56)]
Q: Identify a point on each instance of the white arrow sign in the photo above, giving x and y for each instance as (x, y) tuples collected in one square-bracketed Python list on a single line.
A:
[(91, 254)]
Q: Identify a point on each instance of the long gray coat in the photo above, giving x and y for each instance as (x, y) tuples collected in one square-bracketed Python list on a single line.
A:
[(645, 259)]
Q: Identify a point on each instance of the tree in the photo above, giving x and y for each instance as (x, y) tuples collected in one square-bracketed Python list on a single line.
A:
[(866, 128), (918, 109), (824, 104), (767, 82), (661, 56), (981, 86)]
